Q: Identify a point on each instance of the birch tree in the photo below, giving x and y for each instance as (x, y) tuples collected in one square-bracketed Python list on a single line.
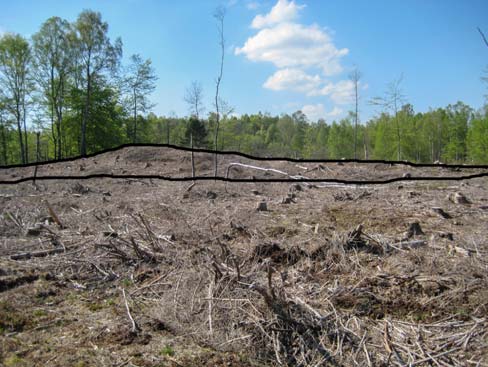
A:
[(52, 61), (219, 16), (97, 56), (355, 76), (15, 84), (194, 99), (393, 100), (140, 82)]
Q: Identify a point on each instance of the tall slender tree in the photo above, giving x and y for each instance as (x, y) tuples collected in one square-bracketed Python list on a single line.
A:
[(355, 77), (140, 82), (15, 83), (219, 16), (194, 99), (393, 100), (97, 55), (485, 77), (4, 127), (483, 37), (52, 61)]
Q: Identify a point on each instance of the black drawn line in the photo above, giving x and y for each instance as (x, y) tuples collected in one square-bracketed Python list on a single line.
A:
[(248, 156), (248, 180)]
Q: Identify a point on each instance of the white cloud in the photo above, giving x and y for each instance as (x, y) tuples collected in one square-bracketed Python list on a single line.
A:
[(283, 11), (293, 79), (336, 111), (340, 92), (305, 55), (252, 5), (294, 45), (311, 85), (315, 112)]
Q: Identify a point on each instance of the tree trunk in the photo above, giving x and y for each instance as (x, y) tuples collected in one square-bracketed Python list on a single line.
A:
[(59, 116), (134, 139), (3, 143), (85, 113), (399, 139), (26, 144), (21, 140), (58, 128), (167, 132), (216, 128), (356, 120)]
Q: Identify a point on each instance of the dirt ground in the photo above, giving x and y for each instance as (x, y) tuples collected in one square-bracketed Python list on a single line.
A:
[(148, 272)]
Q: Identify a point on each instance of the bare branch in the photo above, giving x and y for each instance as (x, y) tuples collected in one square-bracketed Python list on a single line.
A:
[(194, 97), (483, 36), (219, 15)]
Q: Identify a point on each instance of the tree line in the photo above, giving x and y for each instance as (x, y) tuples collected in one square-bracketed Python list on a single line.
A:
[(69, 82)]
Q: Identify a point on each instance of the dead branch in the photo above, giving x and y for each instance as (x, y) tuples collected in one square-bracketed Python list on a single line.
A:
[(135, 328), (42, 253), (483, 36), (296, 177)]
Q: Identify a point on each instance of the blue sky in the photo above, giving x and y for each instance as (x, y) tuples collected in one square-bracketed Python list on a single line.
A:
[(284, 55)]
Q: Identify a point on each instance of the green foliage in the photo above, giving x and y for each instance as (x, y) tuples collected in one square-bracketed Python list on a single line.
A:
[(195, 129), (168, 351), (15, 84), (96, 56), (477, 140), (341, 140), (53, 58), (14, 360), (87, 102), (139, 81)]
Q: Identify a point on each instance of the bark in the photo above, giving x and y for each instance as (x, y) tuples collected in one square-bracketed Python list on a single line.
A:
[(19, 129), (85, 113), (220, 18), (134, 140)]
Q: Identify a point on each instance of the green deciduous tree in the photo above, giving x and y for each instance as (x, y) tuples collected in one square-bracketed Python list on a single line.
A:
[(341, 139), (393, 100), (4, 130), (96, 55), (140, 82), (459, 116), (16, 84), (196, 132), (53, 59), (477, 139)]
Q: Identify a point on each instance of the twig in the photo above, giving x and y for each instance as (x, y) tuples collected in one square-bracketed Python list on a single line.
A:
[(483, 36), (235, 339), (125, 362), (420, 361), (296, 177), (210, 306), (135, 328), (188, 189)]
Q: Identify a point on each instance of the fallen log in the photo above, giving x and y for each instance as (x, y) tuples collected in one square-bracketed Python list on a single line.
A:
[(42, 253)]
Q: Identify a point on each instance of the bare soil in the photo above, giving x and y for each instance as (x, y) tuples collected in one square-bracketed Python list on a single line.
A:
[(147, 272)]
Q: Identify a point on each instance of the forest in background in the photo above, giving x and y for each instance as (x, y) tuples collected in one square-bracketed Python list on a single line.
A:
[(65, 93)]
